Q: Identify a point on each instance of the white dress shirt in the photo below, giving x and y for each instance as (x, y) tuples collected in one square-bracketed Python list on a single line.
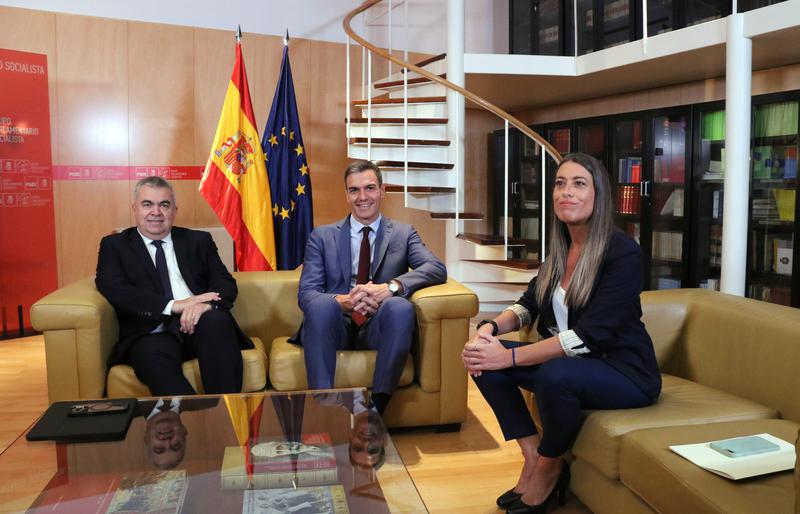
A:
[(174, 406), (180, 290)]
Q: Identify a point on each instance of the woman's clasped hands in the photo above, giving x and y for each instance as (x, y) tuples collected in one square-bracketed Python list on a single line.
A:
[(485, 352)]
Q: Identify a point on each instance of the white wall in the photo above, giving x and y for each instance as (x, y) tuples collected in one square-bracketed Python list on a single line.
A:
[(486, 20)]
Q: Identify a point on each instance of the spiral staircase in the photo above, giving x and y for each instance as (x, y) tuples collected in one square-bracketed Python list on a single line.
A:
[(404, 123)]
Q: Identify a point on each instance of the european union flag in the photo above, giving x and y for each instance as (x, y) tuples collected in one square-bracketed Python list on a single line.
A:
[(287, 168)]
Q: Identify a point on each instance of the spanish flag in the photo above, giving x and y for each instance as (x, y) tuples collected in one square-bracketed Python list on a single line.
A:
[(235, 180)]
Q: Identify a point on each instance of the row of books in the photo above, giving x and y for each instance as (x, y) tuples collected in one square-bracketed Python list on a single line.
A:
[(668, 202), (715, 246), (669, 172), (629, 170), (780, 295), (765, 209), (774, 162), (769, 253), (710, 283), (628, 200), (668, 245)]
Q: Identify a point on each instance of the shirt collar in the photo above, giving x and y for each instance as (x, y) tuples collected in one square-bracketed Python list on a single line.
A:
[(355, 226), (167, 239)]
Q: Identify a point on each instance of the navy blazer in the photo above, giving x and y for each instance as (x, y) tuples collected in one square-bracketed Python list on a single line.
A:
[(610, 323), (327, 267), (127, 277)]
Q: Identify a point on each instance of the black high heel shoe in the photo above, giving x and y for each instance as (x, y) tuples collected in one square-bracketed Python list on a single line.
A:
[(559, 494), (505, 500)]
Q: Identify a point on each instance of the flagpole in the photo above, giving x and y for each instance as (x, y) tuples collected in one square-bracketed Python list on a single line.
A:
[(286, 38), (239, 34)]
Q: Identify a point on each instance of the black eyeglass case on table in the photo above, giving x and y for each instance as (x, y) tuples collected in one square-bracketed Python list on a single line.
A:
[(84, 421)]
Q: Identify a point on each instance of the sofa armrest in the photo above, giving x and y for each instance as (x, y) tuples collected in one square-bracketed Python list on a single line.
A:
[(443, 314), (80, 329)]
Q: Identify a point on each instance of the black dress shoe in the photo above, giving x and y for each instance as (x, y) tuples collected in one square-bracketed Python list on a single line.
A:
[(520, 507), (559, 494), (507, 498)]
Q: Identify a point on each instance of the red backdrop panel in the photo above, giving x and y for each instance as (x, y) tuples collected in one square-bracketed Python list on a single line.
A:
[(27, 228)]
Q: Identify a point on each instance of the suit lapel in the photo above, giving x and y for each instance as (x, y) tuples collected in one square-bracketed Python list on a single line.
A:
[(382, 239), (342, 240), (139, 250), (181, 246)]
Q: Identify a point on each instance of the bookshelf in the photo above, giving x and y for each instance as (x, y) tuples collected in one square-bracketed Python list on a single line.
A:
[(668, 152), (707, 182), (773, 192), (525, 191), (626, 173), (540, 27), (667, 172)]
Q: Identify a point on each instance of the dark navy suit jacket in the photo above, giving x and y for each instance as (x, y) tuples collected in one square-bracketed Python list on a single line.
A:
[(127, 277), (610, 323)]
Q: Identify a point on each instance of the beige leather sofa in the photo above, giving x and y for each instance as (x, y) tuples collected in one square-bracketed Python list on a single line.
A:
[(731, 367), (80, 328)]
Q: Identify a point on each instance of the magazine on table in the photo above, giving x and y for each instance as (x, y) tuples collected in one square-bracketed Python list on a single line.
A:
[(329, 499)]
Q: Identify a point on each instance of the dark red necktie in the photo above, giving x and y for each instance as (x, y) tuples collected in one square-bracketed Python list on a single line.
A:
[(363, 271)]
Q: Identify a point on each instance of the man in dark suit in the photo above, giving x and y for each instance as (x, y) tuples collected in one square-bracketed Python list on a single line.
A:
[(355, 285), (172, 296)]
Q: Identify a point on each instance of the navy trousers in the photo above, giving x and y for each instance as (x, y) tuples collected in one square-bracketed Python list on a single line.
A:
[(563, 388), (157, 358), (326, 329)]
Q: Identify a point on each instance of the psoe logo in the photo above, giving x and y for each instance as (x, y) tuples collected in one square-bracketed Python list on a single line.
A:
[(236, 152)]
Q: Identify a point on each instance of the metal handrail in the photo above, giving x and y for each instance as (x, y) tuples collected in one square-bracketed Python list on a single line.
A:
[(449, 85), (405, 67)]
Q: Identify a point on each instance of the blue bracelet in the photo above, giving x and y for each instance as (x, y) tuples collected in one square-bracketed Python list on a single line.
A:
[(513, 357)]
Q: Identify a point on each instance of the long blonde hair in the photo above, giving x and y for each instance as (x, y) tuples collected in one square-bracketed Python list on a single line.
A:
[(601, 226)]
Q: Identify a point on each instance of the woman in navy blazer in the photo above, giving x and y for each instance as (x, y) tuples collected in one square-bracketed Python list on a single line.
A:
[(595, 352)]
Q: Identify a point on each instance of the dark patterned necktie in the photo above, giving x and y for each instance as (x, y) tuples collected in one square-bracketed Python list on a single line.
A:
[(161, 268)]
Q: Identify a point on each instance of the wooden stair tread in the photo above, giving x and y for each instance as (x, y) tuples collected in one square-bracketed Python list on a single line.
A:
[(461, 215), (429, 60), (491, 239), (411, 82), (415, 164), (519, 264), (394, 101), (399, 121), (393, 188), (399, 141)]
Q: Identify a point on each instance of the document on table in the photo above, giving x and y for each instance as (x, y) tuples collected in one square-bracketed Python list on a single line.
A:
[(736, 468)]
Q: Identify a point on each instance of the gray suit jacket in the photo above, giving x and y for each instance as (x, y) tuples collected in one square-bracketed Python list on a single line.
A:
[(398, 247)]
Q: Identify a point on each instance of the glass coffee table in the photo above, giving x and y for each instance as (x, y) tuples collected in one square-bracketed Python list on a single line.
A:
[(267, 453)]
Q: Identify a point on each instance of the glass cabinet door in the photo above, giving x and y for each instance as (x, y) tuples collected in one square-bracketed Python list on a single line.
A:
[(617, 22), (668, 225), (549, 27), (626, 176), (586, 24), (524, 192), (709, 165), (520, 13), (592, 139), (772, 210)]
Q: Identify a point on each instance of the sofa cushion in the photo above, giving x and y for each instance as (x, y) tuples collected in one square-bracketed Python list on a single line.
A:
[(123, 383), (354, 368), (671, 483), (682, 402)]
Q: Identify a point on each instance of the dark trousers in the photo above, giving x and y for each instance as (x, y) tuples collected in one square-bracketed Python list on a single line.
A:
[(563, 388), (157, 358), (326, 329)]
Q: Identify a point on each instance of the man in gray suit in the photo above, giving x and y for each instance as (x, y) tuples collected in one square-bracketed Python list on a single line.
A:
[(355, 285)]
